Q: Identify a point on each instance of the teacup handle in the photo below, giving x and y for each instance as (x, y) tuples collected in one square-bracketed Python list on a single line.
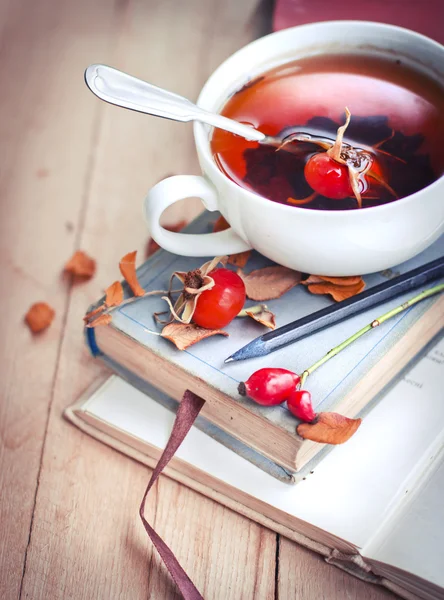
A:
[(176, 188)]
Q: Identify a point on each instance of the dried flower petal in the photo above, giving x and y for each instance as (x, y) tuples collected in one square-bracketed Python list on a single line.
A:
[(264, 317), (81, 265), (114, 294), (239, 260), (312, 279), (153, 246), (353, 177), (39, 316), (350, 280), (94, 312), (335, 151), (220, 225), (269, 283), (302, 201), (127, 267), (337, 292), (329, 428), (102, 320), (212, 264), (185, 335)]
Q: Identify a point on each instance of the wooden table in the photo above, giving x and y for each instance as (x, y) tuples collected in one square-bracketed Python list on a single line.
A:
[(73, 175)]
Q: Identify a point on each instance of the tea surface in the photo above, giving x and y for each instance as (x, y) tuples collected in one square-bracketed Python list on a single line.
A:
[(396, 114)]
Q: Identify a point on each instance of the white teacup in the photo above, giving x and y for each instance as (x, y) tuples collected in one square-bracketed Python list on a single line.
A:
[(313, 241)]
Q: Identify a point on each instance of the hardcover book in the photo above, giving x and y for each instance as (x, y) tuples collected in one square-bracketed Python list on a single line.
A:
[(350, 383)]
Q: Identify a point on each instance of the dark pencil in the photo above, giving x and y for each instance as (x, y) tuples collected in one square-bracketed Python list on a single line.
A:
[(321, 319)]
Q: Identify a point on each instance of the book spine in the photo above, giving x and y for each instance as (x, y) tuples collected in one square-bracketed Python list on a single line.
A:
[(91, 342)]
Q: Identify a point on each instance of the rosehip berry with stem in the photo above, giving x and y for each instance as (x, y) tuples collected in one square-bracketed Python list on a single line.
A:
[(328, 177), (269, 386), (299, 404), (217, 307)]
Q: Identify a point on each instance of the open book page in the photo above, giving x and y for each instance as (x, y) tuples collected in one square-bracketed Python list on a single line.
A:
[(411, 537), (348, 494), (413, 540)]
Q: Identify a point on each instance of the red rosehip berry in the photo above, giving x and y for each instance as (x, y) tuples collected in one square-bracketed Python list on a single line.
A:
[(269, 386), (328, 177), (299, 404), (217, 307)]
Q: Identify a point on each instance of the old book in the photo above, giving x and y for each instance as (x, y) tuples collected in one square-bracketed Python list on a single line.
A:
[(372, 508), (349, 383)]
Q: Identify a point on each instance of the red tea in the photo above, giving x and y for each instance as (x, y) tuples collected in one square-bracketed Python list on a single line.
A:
[(396, 119)]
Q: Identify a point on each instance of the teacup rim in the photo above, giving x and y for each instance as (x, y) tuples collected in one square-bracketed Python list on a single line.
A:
[(201, 134)]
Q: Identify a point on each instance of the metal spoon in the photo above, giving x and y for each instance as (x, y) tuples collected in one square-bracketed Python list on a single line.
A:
[(122, 89)]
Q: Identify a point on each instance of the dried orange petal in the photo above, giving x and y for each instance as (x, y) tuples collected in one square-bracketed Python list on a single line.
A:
[(185, 335), (81, 265), (239, 260), (337, 292), (114, 294), (39, 316), (127, 267), (102, 320), (329, 428)]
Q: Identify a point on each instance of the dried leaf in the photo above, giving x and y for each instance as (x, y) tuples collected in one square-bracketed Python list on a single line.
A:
[(270, 282), (351, 280), (39, 316), (312, 279), (102, 320), (220, 225), (94, 312), (185, 335), (128, 269), (114, 294), (337, 292), (329, 428), (153, 246), (264, 317), (81, 265), (239, 260)]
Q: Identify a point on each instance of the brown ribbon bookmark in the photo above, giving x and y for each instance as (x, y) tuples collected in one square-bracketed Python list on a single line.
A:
[(187, 413)]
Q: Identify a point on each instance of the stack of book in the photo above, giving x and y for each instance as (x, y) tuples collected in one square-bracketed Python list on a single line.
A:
[(350, 383)]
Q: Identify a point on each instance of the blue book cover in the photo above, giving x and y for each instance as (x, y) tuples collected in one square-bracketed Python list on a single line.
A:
[(350, 383)]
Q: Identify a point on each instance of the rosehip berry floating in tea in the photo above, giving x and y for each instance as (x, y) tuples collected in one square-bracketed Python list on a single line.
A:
[(269, 386), (217, 307), (392, 148), (299, 404), (328, 177)]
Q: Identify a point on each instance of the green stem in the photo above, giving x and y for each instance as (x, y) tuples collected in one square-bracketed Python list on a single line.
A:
[(385, 317)]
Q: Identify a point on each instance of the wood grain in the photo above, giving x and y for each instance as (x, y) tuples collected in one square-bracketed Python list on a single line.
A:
[(303, 575), (86, 539), (73, 175), (47, 124)]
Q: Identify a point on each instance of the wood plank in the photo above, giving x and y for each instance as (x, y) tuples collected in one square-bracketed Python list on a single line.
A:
[(45, 137), (304, 575), (87, 541)]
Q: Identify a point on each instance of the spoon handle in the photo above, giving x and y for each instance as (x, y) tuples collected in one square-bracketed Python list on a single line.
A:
[(122, 89)]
